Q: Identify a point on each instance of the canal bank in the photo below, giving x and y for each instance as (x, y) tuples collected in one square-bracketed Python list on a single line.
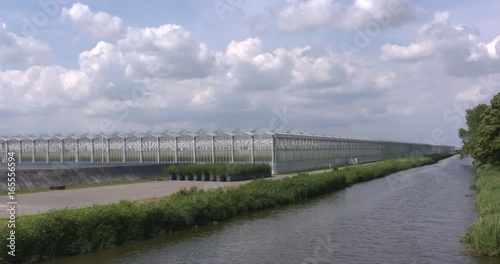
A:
[(70, 232), (415, 216), (483, 237)]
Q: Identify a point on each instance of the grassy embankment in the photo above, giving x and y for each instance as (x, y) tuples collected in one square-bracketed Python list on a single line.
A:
[(76, 231), (483, 236)]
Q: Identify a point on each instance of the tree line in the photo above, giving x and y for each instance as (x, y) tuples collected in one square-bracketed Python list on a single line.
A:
[(481, 139)]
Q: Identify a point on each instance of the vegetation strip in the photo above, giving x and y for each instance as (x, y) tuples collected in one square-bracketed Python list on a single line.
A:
[(68, 232), (483, 236), (481, 140), (207, 171)]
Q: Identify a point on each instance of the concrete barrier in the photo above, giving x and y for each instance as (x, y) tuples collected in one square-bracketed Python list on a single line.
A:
[(45, 178)]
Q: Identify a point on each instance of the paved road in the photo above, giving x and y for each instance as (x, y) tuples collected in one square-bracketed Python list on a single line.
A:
[(33, 203)]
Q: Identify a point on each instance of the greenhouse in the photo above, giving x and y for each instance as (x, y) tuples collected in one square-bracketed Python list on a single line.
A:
[(284, 151)]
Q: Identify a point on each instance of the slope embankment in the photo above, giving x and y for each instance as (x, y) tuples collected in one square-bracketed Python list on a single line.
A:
[(66, 175)]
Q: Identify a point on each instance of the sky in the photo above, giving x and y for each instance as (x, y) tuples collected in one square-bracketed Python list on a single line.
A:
[(389, 69)]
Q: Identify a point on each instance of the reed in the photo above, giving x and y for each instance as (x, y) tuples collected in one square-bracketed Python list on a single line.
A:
[(483, 236)]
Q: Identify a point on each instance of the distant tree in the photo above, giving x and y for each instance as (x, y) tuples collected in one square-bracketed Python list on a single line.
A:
[(486, 138), (473, 120)]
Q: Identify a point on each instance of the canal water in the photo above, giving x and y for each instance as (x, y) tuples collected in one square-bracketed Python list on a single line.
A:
[(416, 216)]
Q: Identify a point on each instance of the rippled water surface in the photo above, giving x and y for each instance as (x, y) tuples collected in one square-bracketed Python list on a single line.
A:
[(416, 216)]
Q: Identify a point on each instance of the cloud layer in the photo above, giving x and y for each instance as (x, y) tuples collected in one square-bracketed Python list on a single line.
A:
[(308, 15), (146, 77), (454, 47)]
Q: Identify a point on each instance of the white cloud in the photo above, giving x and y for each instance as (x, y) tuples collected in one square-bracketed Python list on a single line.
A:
[(18, 49), (452, 48), (441, 17), (247, 68), (166, 77), (386, 81), (401, 110), (113, 74), (301, 15), (320, 71), (48, 87), (203, 96), (473, 96), (486, 51), (168, 51), (244, 50), (155, 69), (100, 25), (412, 52)]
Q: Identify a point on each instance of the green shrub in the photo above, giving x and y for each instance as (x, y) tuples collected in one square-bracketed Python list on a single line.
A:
[(205, 168), (170, 170), (235, 169), (193, 169), (220, 169), (238, 169), (181, 170)]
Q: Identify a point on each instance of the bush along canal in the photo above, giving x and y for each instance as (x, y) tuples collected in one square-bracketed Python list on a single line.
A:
[(77, 231)]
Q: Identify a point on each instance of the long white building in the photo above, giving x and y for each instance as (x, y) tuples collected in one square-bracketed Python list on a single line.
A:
[(286, 151)]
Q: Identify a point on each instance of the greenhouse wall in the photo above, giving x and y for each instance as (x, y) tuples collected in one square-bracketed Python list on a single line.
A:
[(286, 152)]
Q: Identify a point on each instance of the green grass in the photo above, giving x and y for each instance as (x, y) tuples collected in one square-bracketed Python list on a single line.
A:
[(483, 236), (68, 232)]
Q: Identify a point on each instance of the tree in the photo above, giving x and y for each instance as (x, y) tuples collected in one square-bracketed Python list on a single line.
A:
[(473, 120), (486, 138)]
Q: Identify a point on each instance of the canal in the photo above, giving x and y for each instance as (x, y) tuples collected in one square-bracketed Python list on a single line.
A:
[(415, 216)]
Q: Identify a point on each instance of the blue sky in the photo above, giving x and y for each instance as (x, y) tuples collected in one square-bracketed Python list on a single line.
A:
[(153, 65)]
